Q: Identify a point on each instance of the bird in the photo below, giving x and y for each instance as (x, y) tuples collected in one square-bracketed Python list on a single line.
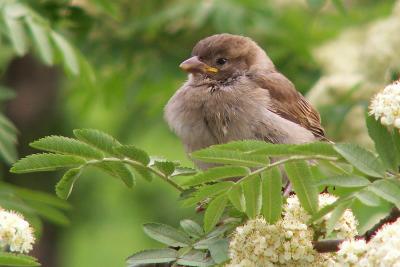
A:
[(234, 92)]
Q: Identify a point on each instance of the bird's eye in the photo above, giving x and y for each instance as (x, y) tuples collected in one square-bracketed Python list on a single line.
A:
[(221, 61)]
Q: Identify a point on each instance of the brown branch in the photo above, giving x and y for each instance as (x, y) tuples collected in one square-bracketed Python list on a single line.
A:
[(325, 246)]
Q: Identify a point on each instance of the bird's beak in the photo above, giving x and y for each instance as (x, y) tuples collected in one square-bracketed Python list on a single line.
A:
[(194, 65)]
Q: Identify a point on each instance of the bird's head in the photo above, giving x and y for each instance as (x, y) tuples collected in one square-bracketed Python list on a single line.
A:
[(223, 56)]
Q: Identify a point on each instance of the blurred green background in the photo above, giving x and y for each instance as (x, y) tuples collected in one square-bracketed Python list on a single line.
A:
[(134, 48)]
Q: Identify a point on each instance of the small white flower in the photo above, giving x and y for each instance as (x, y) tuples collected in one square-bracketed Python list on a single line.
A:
[(385, 106), (15, 233), (351, 252)]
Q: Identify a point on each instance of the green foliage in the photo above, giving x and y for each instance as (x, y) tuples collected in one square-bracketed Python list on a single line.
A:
[(17, 18), (8, 140), (232, 192), (11, 259)]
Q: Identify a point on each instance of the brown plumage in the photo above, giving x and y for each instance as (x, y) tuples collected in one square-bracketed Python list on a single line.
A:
[(234, 92)]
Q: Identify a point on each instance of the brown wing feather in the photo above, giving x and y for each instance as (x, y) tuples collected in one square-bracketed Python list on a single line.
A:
[(288, 103)]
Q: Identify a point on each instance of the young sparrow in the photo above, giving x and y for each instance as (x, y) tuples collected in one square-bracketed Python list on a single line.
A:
[(234, 92)]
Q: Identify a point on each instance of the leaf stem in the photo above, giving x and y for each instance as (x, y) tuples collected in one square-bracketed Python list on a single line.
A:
[(138, 164), (283, 161)]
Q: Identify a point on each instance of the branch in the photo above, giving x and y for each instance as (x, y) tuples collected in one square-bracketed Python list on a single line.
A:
[(325, 246)]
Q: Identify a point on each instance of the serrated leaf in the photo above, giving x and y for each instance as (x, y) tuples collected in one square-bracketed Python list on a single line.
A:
[(214, 155), (301, 178), (167, 235), (16, 31), (192, 228), (98, 139), (119, 170), (361, 158), (387, 190), (336, 214), (237, 198), (65, 185), (316, 148), (68, 146), (344, 181), (217, 173), (166, 167), (69, 56), (384, 143), (368, 198), (219, 250), (12, 259), (271, 195), (214, 212), (41, 39), (253, 195), (133, 153), (144, 173), (46, 162), (195, 258), (208, 191), (152, 256)]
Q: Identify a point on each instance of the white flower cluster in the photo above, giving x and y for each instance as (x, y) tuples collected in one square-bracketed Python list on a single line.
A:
[(382, 251), (346, 227), (15, 233), (288, 242), (386, 105), (351, 253)]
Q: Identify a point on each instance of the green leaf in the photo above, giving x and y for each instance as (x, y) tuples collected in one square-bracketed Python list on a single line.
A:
[(388, 190), (69, 56), (41, 38), (253, 195), (217, 173), (192, 228), (237, 198), (152, 256), (133, 153), (35, 196), (46, 162), (271, 195), (219, 250), (119, 170), (64, 186), (98, 139), (308, 149), (301, 178), (8, 151), (227, 157), (167, 235), (144, 173), (214, 212), (68, 146), (195, 258), (361, 158), (344, 181), (328, 208), (12, 259), (15, 28), (6, 94), (166, 167), (208, 191), (368, 198), (336, 214), (384, 143)]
